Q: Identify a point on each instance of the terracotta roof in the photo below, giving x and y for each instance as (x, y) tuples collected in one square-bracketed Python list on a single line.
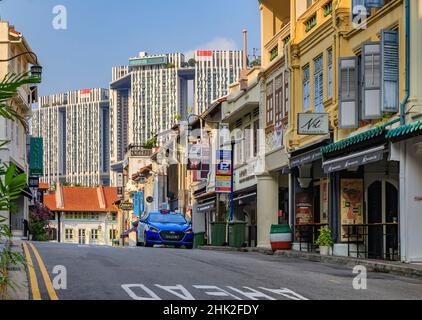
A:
[(79, 199)]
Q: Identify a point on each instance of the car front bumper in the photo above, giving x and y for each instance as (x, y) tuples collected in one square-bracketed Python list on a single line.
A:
[(155, 238)]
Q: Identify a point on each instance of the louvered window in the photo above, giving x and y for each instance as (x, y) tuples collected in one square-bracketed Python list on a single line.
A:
[(270, 103), (255, 137), (306, 89), (286, 93), (348, 93), (371, 81), (279, 100), (330, 73), (318, 85), (390, 71), (248, 142)]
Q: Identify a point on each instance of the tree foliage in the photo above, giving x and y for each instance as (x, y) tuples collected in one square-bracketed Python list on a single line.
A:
[(12, 182)]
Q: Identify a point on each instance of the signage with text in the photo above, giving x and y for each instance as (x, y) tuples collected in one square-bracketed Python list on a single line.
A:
[(313, 123)]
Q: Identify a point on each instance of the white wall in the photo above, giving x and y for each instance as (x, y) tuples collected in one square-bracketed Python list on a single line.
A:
[(411, 204)]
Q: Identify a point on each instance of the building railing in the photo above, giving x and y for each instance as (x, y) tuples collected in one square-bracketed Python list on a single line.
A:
[(306, 234), (373, 241), (275, 46)]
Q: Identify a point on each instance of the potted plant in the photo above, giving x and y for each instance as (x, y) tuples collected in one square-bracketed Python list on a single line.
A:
[(324, 241)]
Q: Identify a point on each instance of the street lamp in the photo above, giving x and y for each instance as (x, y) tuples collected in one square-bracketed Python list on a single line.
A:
[(36, 70)]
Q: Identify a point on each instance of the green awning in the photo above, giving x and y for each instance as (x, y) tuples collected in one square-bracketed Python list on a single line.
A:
[(411, 129), (363, 136)]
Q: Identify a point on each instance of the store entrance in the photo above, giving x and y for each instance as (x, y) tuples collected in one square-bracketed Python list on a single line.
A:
[(382, 213)]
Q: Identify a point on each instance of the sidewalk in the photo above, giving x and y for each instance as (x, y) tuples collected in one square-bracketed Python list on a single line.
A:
[(398, 268), (18, 275)]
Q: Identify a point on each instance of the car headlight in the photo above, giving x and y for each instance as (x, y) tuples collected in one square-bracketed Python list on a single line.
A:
[(152, 229), (189, 230)]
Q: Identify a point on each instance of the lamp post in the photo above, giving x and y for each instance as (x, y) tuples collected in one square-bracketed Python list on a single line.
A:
[(36, 69)]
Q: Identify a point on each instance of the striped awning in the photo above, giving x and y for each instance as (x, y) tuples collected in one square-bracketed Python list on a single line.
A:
[(361, 137), (406, 131)]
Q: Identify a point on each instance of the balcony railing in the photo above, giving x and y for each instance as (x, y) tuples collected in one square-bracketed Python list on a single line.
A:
[(275, 46), (314, 16)]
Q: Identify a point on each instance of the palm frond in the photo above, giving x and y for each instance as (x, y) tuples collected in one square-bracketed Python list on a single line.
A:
[(8, 88)]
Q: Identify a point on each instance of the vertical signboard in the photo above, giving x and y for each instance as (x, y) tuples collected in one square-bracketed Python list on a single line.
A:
[(223, 171), (138, 203), (36, 153), (224, 161)]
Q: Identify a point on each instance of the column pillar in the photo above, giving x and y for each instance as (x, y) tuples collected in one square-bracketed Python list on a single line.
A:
[(267, 208)]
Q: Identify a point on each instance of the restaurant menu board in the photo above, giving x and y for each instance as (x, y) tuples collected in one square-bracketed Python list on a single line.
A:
[(304, 208), (324, 200), (351, 203)]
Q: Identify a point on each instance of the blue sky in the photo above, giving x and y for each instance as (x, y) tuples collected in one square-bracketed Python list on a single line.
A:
[(105, 33)]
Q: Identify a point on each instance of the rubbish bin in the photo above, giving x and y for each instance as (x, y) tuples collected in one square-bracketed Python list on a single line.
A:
[(237, 234), (199, 239), (218, 233)]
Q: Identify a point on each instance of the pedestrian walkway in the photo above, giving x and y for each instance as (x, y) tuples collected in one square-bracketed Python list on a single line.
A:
[(398, 268), (18, 275)]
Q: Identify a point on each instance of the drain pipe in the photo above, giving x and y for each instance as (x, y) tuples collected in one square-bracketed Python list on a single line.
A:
[(406, 98)]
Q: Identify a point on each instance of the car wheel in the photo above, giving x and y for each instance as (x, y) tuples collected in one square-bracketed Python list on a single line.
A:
[(146, 244)]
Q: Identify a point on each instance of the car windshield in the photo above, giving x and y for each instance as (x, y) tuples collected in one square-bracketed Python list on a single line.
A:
[(167, 218)]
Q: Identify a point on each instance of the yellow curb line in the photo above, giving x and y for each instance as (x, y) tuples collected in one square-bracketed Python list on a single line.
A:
[(51, 292), (36, 295)]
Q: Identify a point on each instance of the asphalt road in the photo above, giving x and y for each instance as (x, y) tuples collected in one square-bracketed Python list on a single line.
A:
[(97, 273)]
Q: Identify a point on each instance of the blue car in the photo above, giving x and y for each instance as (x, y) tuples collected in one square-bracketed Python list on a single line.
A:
[(165, 228)]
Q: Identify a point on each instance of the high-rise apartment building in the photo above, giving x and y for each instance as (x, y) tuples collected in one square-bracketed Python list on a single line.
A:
[(75, 129), (214, 72), (150, 95)]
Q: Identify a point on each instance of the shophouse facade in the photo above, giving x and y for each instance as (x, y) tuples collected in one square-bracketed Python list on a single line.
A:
[(348, 72)]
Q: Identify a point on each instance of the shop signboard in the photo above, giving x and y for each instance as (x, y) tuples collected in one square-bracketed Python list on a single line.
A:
[(245, 177), (351, 205), (36, 154), (313, 123), (126, 206)]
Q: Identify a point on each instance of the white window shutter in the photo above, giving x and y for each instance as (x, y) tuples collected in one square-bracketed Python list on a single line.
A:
[(348, 93), (390, 71), (371, 81)]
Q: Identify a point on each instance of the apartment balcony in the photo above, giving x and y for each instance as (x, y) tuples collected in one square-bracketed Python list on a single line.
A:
[(23, 98), (274, 49)]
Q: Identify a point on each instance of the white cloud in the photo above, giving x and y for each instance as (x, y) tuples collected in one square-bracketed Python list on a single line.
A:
[(218, 43)]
